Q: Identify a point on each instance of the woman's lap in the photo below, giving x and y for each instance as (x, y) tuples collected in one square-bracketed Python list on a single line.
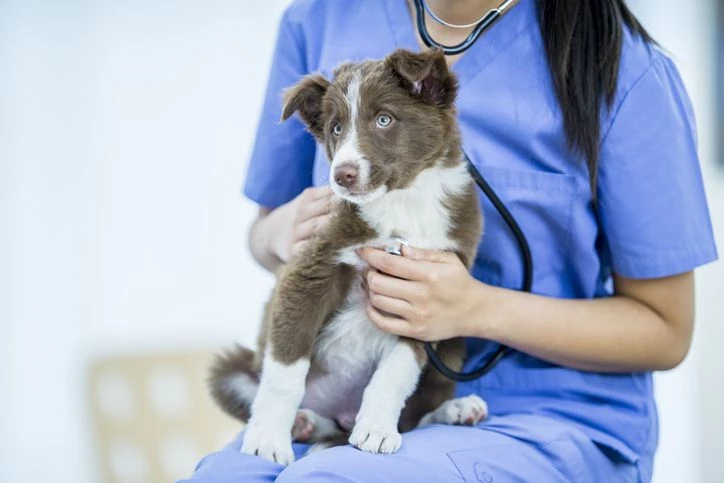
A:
[(511, 448)]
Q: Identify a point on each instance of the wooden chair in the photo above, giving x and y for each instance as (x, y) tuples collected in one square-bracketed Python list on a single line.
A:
[(153, 416)]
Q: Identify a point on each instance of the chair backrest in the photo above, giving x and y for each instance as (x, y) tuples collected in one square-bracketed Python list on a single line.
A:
[(153, 416)]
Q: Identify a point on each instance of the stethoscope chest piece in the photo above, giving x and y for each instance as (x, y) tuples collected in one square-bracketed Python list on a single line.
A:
[(395, 244)]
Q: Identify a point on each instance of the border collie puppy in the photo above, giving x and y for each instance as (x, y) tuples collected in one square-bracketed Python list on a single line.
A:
[(389, 127)]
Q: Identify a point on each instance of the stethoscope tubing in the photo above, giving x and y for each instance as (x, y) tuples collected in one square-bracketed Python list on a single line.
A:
[(526, 286), (527, 257)]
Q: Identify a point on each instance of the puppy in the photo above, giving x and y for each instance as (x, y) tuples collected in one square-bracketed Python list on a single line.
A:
[(389, 127)]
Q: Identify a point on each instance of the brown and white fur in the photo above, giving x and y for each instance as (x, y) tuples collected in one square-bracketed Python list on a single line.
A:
[(390, 129)]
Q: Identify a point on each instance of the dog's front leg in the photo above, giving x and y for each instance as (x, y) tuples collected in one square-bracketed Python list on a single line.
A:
[(393, 381), (281, 389), (307, 293)]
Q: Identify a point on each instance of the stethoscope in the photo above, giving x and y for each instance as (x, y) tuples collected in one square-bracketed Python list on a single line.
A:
[(479, 27)]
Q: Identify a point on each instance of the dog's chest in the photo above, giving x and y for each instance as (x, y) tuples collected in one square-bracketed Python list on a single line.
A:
[(423, 223), (346, 354), (349, 347), (419, 214)]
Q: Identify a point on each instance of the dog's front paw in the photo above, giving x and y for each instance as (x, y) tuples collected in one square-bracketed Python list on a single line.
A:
[(373, 438), (264, 443)]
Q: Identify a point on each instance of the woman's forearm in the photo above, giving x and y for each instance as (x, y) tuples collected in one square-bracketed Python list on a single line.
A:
[(612, 334), (430, 295)]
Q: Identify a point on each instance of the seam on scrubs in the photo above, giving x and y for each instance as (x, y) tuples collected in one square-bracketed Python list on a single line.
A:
[(481, 66), (298, 43), (576, 468), (640, 460), (617, 109), (290, 32), (396, 33), (451, 454), (559, 190), (569, 218), (531, 179), (464, 459)]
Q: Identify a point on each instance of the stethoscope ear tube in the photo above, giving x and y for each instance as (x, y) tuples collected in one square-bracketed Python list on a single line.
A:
[(526, 285), (479, 28)]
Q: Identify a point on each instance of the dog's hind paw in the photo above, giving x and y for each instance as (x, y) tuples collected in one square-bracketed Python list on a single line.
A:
[(262, 443), (467, 411), (309, 427), (304, 426), (375, 438)]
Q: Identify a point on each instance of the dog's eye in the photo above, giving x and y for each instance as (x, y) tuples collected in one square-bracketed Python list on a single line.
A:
[(383, 120), (337, 129)]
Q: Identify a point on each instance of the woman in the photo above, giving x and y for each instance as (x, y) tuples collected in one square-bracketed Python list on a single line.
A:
[(584, 129)]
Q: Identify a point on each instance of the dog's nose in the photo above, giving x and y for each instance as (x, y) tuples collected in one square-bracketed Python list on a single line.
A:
[(346, 174)]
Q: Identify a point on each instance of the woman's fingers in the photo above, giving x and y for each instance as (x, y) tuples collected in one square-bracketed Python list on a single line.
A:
[(312, 210), (395, 265), (435, 256), (391, 306), (308, 228), (324, 192), (298, 248), (391, 325), (319, 203), (398, 288)]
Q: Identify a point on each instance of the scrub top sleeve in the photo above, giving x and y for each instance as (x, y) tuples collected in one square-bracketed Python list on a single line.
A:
[(282, 161), (651, 202)]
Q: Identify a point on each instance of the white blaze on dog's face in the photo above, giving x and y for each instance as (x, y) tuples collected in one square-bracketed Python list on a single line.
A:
[(349, 173), (381, 122)]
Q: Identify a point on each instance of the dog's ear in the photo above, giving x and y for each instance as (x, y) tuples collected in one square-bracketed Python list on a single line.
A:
[(306, 98), (425, 75)]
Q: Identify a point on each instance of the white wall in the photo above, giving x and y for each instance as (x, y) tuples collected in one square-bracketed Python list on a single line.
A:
[(124, 130)]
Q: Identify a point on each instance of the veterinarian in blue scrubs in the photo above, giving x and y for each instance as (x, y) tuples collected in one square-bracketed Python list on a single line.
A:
[(613, 280)]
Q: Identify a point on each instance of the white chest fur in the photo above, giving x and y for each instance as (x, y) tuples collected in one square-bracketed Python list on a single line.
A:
[(345, 355), (418, 213)]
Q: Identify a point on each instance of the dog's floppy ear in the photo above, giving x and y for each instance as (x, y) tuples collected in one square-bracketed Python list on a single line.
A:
[(425, 75), (306, 98)]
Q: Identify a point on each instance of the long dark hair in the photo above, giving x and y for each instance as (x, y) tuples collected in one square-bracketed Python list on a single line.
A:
[(583, 41)]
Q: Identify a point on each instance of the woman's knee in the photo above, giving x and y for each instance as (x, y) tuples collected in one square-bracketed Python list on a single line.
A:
[(230, 466), (341, 464)]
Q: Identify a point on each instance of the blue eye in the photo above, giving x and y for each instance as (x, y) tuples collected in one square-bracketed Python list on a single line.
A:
[(383, 120), (337, 129)]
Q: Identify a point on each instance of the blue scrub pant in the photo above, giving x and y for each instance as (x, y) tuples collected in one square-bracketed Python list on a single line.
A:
[(512, 448)]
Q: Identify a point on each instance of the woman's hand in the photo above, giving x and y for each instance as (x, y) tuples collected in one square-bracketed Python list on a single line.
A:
[(423, 294), (299, 220), (280, 234)]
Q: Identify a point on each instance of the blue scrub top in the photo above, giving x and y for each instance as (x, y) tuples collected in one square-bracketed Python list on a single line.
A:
[(651, 218)]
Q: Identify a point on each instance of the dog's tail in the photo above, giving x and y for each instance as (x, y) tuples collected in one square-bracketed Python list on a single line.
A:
[(234, 380)]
